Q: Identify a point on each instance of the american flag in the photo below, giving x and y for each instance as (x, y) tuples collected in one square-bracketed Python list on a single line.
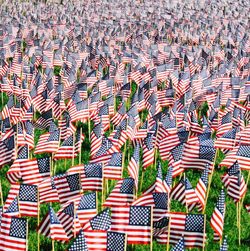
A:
[(199, 155), (133, 165), (47, 191), (217, 219), (201, 189), (148, 151), (224, 246), (135, 221), (180, 246), (13, 233), (122, 194), (227, 140), (69, 219), (28, 200), (243, 155), (48, 142), (92, 177), (14, 172), (68, 186), (51, 227), (79, 243), (87, 207), (175, 159), (35, 171), (7, 150), (113, 169), (234, 182), (188, 226), (167, 183), (159, 184), (11, 203), (96, 231), (247, 208), (116, 241), (96, 139)]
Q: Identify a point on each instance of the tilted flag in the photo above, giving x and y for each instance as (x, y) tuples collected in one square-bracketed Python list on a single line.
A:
[(188, 226), (87, 207), (13, 233), (122, 194), (68, 186), (79, 243), (217, 219), (51, 227), (116, 241), (133, 165), (135, 221)]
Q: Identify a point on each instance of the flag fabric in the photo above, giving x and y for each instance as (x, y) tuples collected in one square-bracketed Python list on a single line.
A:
[(217, 219), (51, 227), (133, 165), (224, 246), (28, 200), (68, 186), (135, 221), (79, 243), (86, 207), (116, 241), (188, 226), (35, 171), (13, 233), (180, 246), (122, 194)]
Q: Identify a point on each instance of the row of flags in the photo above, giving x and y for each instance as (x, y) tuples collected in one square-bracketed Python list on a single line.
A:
[(156, 84)]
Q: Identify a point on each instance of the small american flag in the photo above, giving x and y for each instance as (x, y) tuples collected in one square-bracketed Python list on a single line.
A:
[(122, 194), (135, 221), (68, 186), (36, 170), (79, 243), (51, 227), (92, 177), (116, 241), (224, 246), (133, 165), (243, 156), (28, 200), (14, 234), (87, 207), (113, 169), (217, 219), (180, 246), (148, 151)]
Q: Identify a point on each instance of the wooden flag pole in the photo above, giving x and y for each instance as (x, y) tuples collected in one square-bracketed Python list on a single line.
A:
[(239, 222), (89, 129), (169, 227), (51, 166), (53, 245), (27, 235), (185, 194), (1, 193), (80, 153), (210, 180), (74, 225), (151, 235), (141, 179), (237, 214), (204, 233), (38, 220), (73, 153), (96, 200), (126, 244)]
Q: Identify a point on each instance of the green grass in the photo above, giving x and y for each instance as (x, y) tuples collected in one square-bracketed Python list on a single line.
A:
[(230, 228)]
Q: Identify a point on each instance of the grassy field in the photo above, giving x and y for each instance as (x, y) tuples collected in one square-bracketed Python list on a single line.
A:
[(230, 227)]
